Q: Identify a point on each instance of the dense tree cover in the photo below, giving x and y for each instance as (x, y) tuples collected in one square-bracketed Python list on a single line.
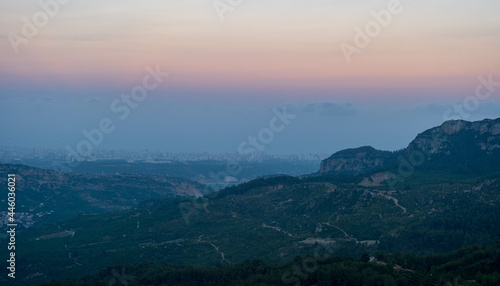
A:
[(273, 219), (468, 266), (52, 196)]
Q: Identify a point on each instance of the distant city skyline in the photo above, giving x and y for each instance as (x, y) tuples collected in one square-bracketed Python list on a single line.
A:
[(13, 153)]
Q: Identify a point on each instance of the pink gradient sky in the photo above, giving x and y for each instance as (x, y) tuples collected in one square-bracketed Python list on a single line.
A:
[(264, 52), (273, 46)]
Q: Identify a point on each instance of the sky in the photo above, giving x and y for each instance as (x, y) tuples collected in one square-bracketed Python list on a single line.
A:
[(66, 65)]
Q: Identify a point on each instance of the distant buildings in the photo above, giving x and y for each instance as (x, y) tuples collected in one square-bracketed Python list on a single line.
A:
[(13, 154)]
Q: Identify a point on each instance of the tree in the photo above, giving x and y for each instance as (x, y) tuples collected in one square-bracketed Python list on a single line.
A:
[(365, 257)]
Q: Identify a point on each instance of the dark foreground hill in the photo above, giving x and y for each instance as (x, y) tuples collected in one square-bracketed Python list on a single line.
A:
[(273, 219), (468, 266)]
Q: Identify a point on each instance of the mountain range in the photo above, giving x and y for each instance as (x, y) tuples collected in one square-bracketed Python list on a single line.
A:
[(437, 195), (455, 146)]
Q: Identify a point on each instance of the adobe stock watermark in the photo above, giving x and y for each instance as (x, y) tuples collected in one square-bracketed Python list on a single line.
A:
[(121, 107), (486, 87), (302, 269), (223, 6), (257, 143), (484, 90), (363, 37), (122, 277), (414, 158), (48, 10)]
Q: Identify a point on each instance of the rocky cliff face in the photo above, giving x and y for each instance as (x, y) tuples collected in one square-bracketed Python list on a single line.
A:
[(454, 142), (480, 135)]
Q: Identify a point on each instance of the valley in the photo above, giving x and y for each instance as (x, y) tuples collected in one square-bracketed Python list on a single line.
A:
[(343, 215)]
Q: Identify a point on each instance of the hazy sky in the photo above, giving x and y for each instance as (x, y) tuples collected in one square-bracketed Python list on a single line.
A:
[(226, 75)]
